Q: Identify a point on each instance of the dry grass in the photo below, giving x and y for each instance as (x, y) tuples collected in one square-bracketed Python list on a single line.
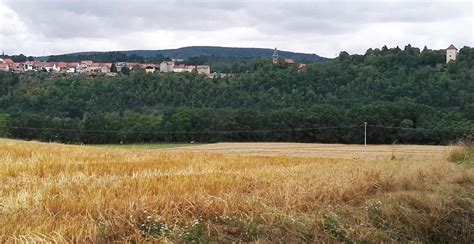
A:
[(337, 151), (52, 192)]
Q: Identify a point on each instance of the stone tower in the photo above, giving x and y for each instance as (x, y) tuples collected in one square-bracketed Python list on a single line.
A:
[(275, 56), (451, 53)]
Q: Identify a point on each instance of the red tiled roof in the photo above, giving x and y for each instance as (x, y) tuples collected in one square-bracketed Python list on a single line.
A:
[(452, 47), (61, 64), (4, 66), (108, 65), (72, 65), (8, 61), (289, 61), (87, 62)]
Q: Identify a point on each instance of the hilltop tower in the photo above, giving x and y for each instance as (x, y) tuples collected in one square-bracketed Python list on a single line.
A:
[(275, 56), (451, 53)]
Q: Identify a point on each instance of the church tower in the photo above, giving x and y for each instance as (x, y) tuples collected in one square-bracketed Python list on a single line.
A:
[(451, 53), (275, 56)]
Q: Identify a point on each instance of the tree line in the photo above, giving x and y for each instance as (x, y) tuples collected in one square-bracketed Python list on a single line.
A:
[(108, 57), (406, 96)]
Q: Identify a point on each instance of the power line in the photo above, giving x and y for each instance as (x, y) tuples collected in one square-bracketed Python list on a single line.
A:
[(179, 132), (235, 131), (422, 129)]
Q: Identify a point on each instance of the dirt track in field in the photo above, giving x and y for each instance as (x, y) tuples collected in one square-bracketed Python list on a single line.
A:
[(382, 152)]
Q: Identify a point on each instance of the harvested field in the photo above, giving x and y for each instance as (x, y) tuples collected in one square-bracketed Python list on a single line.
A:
[(64, 193), (340, 151)]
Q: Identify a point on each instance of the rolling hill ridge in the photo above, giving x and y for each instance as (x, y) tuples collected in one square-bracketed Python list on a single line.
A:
[(196, 51)]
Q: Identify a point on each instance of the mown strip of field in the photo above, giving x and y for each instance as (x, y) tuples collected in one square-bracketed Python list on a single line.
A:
[(147, 146), (337, 151)]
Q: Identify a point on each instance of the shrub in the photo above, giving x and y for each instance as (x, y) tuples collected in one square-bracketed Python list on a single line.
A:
[(463, 155)]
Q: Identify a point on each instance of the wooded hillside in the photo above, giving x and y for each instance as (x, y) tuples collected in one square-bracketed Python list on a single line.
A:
[(406, 96)]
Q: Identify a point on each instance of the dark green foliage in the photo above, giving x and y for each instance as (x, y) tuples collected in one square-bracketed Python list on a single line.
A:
[(196, 233), (152, 226), (125, 70), (19, 58), (4, 121), (398, 92), (331, 225), (222, 59), (106, 57), (463, 155), (190, 52)]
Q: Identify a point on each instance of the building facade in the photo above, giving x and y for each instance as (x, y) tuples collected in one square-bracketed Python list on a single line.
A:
[(451, 53), (166, 66), (204, 70)]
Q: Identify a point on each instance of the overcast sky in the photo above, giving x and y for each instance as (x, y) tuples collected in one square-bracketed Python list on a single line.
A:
[(321, 27)]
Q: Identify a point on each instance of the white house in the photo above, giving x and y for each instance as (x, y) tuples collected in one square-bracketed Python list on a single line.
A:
[(451, 53), (40, 66), (105, 68), (150, 69), (52, 67), (189, 68), (179, 68), (204, 69), (119, 66), (4, 67), (28, 65), (71, 67), (166, 66)]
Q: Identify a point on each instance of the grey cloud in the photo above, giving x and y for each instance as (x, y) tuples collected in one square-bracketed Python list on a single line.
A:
[(102, 18), (283, 22), (338, 17), (91, 18)]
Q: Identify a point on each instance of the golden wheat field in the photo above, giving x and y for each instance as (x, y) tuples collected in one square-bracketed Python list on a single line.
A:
[(64, 193)]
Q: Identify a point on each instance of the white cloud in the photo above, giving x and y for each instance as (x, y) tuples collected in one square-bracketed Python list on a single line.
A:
[(322, 27)]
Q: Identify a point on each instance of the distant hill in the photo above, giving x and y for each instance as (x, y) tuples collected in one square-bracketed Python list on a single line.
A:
[(188, 52), (196, 51)]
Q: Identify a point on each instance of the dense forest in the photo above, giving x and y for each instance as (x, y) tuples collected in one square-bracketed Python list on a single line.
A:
[(405, 95), (108, 57), (18, 58), (189, 52)]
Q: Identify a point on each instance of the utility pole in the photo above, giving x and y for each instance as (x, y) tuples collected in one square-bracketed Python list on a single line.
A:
[(365, 134)]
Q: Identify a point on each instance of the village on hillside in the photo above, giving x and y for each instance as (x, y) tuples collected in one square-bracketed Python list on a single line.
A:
[(89, 67), (107, 69)]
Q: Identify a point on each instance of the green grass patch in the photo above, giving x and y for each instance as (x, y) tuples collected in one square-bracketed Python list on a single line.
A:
[(463, 155)]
